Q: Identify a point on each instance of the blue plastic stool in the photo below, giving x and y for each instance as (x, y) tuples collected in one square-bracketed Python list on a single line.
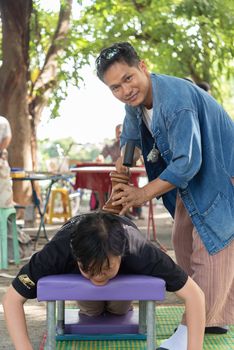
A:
[(6, 213)]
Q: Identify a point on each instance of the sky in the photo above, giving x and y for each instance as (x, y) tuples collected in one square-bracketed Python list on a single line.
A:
[(88, 115)]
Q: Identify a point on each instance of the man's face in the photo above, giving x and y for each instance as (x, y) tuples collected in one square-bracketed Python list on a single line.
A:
[(107, 272), (130, 85)]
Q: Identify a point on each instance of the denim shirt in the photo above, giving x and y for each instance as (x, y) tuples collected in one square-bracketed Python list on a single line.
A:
[(195, 139)]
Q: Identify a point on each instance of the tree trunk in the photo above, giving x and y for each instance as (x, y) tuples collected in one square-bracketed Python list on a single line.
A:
[(15, 17), (21, 107), (46, 81)]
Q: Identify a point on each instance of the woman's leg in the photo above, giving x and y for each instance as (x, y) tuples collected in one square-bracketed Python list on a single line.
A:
[(119, 307), (95, 308), (91, 308)]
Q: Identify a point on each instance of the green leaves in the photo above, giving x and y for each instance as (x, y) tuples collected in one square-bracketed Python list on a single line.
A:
[(185, 37), (192, 38)]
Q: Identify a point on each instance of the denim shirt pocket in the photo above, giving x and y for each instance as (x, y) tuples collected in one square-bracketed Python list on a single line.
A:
[(219, 217), (163, 147)]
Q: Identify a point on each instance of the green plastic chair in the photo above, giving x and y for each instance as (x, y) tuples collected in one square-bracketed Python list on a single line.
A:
[(6, 213)]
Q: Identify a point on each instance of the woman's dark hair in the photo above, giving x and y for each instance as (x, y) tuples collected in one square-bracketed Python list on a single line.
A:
[(117, 52), (97, 235)]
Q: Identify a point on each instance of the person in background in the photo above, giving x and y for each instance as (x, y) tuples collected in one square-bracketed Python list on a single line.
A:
[(100, 246), (113, 150), (187, 141), (6, 193)]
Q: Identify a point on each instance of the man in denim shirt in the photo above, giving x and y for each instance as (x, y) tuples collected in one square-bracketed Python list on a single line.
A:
[(187, 141)]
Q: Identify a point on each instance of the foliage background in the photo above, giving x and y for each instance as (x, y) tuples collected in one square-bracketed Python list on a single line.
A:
[(186, 38), (183, 38)]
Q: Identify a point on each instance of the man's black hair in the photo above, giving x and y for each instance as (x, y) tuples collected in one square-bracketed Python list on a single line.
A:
[(97, 235), (118, 52)]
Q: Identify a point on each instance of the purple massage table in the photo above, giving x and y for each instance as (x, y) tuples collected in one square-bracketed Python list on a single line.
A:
[(134, 325)]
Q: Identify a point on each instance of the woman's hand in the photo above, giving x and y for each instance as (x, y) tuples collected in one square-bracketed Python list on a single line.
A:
[(128, 196)]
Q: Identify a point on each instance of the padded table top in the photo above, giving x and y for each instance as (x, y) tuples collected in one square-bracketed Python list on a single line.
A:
[(122, 287)]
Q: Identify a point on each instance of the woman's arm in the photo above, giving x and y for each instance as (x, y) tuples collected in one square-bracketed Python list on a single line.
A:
[(195, 313), (5, 143), (13, 305)]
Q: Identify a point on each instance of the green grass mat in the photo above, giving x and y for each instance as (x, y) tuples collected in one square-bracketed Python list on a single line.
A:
[(167, 318)]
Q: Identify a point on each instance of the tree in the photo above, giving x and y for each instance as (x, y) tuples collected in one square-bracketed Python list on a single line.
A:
[(35, 47), (192, 38), (15, 17), (67, 147), (43, 52)]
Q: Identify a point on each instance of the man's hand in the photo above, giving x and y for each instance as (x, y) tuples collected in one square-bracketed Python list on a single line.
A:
[(128, 196)]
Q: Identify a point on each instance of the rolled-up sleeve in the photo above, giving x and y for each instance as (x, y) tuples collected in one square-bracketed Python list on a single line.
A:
[(185, 144)]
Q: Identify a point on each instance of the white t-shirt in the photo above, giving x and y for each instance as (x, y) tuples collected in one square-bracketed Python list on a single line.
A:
[(5, 129), (147, 116), (6, 195)]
